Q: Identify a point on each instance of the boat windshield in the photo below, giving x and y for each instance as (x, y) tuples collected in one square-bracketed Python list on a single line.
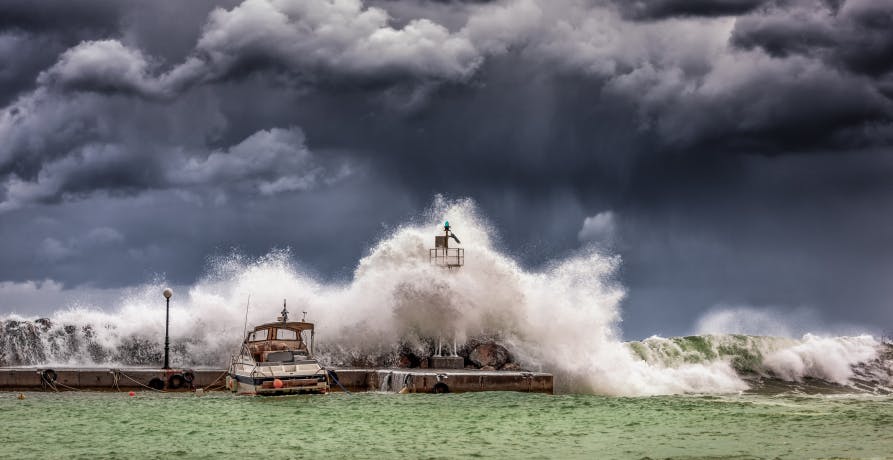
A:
[(257, 336), (286, 334)]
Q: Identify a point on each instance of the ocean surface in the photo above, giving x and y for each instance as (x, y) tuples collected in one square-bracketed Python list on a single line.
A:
[(90, 425)]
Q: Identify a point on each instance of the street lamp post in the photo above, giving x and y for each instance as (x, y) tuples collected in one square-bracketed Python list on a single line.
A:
[(167, 325)]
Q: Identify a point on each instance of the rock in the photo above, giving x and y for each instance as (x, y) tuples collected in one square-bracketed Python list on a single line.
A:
[(515, 367), (44, 323), (139, 351), (489, 354), (408, 360)]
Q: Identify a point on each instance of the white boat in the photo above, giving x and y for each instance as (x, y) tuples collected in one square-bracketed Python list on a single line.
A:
[(277, 359)]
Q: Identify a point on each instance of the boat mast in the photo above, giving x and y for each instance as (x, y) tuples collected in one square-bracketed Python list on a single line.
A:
[(284, 313)]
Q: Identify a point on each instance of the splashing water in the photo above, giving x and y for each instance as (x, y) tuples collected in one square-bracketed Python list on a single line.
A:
[(861, 362), (562, 319)]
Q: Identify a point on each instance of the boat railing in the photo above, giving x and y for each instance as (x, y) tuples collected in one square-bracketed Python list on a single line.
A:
[(447, 257)]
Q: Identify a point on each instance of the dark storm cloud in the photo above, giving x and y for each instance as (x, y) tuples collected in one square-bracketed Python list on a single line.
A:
[(856, 35), (174, 234), (267, 162), (662, 9), (730, 151), (32, 34), (758, 104), (309, 40), (60, 16), (787, 231), (23, 56)]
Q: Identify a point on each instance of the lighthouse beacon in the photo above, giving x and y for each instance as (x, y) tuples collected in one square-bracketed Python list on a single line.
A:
[(442, 254)]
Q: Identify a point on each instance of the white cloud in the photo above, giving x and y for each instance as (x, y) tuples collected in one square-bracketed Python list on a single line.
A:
[(55, 250), (269, 161), (332, 40), (339, 39), (600, 229), (103, 236), (56, 177), (102, 66)]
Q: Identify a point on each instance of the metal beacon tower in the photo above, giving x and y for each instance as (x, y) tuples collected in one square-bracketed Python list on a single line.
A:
[(442, 254)]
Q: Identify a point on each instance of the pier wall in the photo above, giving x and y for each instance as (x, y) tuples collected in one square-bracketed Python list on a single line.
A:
[(355, 380), (101, 379)]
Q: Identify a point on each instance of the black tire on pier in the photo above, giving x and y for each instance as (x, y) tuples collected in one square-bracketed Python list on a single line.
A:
[(440, 387), (156, 384), (175, 381), (188, 376), (49, 375)]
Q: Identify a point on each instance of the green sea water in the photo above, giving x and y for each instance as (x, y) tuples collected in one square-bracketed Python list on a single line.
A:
[(474, 425)]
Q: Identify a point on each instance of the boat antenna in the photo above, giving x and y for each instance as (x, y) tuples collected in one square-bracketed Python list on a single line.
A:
[(284, 312), (245, 329)]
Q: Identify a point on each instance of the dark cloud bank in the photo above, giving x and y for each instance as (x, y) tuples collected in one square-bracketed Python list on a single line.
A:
[(733, 152)]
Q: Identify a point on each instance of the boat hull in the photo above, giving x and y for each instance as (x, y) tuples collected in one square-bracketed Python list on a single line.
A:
[(266, 386)]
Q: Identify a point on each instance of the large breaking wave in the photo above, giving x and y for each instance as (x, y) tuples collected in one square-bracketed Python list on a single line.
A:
[(562, 319)]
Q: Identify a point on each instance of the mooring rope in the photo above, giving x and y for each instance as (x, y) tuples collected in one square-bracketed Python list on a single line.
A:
[(56, 385), (218, 387), (139, 383), (48, 382), (208, 386), (333, 375), (116, 373), (66, 386)]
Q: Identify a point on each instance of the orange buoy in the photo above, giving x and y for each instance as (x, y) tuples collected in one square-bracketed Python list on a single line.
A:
[(132, 393), (277, 383)]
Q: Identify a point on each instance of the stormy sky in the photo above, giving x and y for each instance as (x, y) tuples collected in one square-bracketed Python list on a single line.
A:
[(734, 153)]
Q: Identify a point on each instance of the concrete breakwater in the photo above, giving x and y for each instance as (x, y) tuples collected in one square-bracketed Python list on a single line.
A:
[(354, 379)]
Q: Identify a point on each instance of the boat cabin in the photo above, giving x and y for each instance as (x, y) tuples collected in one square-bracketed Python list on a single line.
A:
[(280, 342)]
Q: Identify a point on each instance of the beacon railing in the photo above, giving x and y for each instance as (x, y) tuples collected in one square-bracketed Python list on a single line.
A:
[(447, 257)]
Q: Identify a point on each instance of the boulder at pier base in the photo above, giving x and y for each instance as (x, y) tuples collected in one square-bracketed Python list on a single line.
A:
[(515, 367), (489, 354)]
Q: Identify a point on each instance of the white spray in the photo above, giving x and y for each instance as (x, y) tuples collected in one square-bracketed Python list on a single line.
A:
[(562, 319)]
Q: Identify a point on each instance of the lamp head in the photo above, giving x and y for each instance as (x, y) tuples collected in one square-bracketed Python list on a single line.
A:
[(168, 293)]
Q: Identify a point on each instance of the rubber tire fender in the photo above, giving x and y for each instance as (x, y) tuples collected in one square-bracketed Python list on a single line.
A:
[(175, 381), (188, 376), (49, 375)]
